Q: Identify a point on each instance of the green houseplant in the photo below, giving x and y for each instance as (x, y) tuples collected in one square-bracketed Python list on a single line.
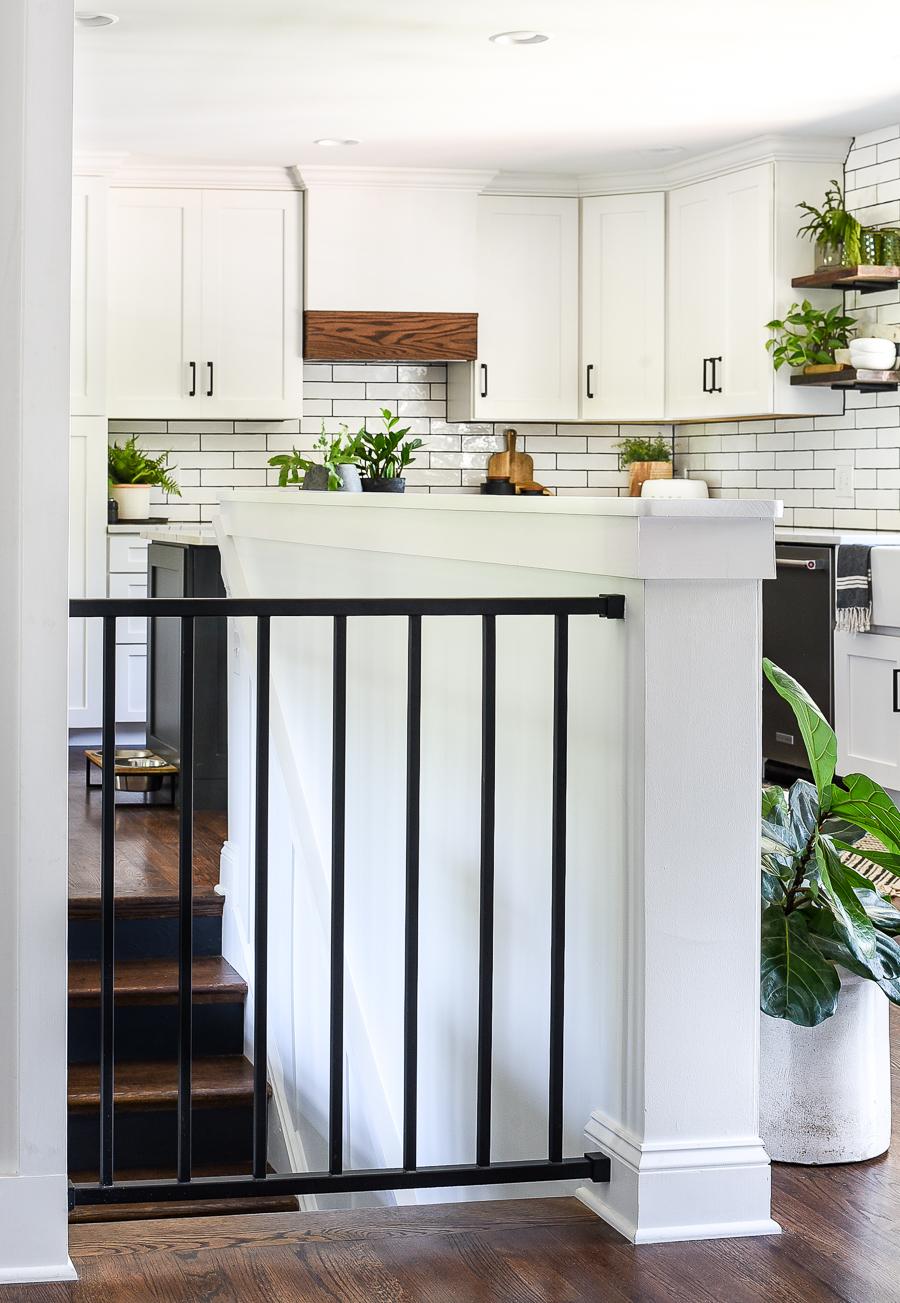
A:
[(337, 456), (132, 474), (385, 455), (646, 459), (829, 956), (837, 233), (808, 337)]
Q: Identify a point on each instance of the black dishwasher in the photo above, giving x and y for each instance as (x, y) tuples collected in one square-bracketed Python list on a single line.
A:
[(798, 634), (184, 570)]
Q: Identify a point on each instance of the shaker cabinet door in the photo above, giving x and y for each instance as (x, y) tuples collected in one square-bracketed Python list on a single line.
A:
[(623, 297), (87, 365), (696, 308), (866, 690)]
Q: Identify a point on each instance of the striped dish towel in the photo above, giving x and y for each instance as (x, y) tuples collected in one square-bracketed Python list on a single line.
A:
[(853, 597)]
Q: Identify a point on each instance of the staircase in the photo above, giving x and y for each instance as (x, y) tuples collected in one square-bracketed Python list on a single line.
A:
[(146, 1047)]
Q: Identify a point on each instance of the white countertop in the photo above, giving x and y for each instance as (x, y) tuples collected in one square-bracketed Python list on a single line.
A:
[(187, 534), (833, 537)]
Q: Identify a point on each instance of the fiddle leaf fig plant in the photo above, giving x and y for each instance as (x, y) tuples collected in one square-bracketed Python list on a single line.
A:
[(818, 913), (385, 455), (807, 336), (342, 449), (127, 464)]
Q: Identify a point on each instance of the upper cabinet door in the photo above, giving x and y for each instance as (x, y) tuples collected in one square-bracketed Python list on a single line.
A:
[(623, 306), (696, 305), (87, 369), (746, 280), (252, 304), (527, 366), (155, 358)]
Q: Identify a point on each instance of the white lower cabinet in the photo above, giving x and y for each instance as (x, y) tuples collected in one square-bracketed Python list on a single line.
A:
[(131, 683), (866, 694), (87, 564), (128, 578)]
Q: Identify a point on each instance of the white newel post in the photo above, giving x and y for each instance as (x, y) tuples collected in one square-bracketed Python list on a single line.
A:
[(687, 1160), (35, 208)]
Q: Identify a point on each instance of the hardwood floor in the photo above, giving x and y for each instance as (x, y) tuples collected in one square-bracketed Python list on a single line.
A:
[(839, 1246), (146, 852)]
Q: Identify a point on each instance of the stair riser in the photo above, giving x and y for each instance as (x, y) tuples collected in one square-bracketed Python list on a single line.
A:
[(151, 1031), (148, 1138), (144, 938)]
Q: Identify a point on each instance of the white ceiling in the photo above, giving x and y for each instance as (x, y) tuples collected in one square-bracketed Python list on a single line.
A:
[(419, 85)]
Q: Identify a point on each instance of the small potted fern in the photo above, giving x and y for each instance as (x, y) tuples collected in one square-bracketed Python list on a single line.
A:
[(645, 459), (385, 455), (132, 475)]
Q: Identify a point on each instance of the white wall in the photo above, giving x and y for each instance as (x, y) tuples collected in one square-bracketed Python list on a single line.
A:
[(35, 208)]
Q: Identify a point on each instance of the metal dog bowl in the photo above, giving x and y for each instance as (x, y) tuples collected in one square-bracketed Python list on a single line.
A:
[(143, 762)]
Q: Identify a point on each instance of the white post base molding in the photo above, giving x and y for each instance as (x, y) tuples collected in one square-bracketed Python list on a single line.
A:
[(680, 1191), (33, 1229)]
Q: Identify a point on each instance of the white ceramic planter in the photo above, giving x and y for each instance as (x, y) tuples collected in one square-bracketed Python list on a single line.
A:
[(825, 1092), (133, 500)]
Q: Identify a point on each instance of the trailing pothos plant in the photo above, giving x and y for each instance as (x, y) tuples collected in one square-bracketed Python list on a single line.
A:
[(809, 336), (817, 911)]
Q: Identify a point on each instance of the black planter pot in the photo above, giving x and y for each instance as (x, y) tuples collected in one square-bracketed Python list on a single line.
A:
[(384, 486)]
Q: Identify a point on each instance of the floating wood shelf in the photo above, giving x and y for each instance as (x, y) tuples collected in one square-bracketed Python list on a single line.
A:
[(867, 280), (868, 382)]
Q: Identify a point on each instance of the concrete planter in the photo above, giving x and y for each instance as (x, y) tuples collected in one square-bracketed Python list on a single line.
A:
[(825, 1092)]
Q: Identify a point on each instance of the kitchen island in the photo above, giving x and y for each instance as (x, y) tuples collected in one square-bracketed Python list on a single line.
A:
[(662, 887)]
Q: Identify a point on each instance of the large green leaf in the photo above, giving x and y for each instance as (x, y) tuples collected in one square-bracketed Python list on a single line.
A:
[(797, 982), (880, 910), (818, 735), (868, 806), (889, 960), (823, 933), (854, 924)]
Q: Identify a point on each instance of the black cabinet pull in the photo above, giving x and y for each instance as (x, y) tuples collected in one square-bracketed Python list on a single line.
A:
[(714, 388), (192, 392), (484, 379), (897, 692), (706, 362), (209, 391), (587, 380)]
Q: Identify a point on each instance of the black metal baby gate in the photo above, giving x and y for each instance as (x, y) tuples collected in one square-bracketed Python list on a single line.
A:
[(591, 1166)]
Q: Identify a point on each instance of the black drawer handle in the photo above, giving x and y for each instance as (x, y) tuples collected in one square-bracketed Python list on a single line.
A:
[(209, 391), (192, 392), (484, 390), (714, 388), (705, 381), (897, 692), (589, 390)]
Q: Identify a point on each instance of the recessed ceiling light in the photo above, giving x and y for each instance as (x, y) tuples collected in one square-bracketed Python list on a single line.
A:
[(332, 142), (84, 18), (661, 150), (519, 38)]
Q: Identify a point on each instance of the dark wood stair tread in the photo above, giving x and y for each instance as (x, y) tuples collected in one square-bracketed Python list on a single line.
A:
[(210, 1207), (155, 981), (221, 1082), (206, 904)]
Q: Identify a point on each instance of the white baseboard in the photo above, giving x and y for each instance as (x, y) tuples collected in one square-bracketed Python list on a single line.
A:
[(34, 1219), (680, 1190)]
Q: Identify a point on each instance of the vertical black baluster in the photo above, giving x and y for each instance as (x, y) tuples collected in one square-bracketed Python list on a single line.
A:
[(486, 919), (558, 887), (261, 901), (108, 901), (411, 1002), (338, 837), (185, 898)]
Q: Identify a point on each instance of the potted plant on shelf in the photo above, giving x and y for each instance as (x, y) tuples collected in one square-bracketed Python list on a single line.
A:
[(646, 459), (385, 455), (837, 233), (829, 956), (808, 338), (132, 474), (336, 470)]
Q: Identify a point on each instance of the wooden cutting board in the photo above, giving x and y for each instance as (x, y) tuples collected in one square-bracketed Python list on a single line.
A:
[(511, 465)]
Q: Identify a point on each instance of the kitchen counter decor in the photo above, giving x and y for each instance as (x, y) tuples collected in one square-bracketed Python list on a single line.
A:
[(645, 459), (335, 470), (385, 455), (830, 958), (132, 476)]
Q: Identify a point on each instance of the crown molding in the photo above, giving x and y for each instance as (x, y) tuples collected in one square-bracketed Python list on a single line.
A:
[(204, 176), (554, 184), (96, 162), (407, 178)]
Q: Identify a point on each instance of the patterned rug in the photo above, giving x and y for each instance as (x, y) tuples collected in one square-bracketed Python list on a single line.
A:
[(884, 881)]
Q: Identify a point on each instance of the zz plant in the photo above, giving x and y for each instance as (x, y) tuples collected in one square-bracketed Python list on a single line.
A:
[(817, 911), (385, 455)]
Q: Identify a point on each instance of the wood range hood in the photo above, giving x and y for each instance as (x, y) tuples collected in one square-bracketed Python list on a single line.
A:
[(390, 336)]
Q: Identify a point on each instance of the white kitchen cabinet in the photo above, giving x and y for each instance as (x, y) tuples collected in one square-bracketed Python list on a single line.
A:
[(732, 250), (623, 307), (132, 587), (527, 366), (87, 368), (205, 304), (866, 689), (131, 683), (87, 564)]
